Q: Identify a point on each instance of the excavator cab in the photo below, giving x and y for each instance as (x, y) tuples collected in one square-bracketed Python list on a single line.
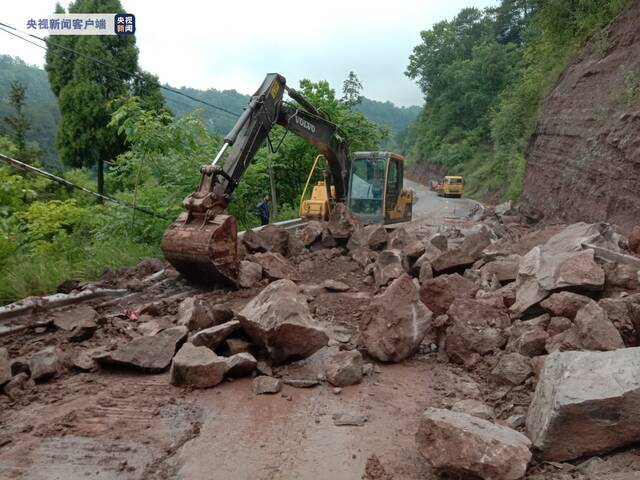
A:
[(376, 193)]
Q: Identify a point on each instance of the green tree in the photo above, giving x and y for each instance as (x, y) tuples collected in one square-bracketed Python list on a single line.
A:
[(87, 91), (18, 121), (351, 89)]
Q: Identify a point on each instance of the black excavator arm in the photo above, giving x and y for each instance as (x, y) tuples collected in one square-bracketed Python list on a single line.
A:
[(202, 243)]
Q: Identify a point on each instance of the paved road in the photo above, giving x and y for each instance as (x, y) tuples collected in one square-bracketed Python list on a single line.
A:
[(428, 206)]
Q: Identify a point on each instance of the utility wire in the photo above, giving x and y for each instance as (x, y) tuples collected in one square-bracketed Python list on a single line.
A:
[(30, 168), (49, 43)]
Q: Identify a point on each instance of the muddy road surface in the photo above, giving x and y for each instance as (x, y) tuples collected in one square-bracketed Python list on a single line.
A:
[(85, 392)]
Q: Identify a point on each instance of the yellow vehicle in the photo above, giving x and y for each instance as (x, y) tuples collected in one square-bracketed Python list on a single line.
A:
[(203, 241), (452, 186), (376, 193)]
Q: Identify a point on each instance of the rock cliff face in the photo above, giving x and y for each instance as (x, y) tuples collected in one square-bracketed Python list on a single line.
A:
[(583, 162)]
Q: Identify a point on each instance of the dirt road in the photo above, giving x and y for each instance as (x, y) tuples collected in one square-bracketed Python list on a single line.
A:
[(120, 425)]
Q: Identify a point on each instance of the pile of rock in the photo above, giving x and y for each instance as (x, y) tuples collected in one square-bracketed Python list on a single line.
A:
[(556, 317)]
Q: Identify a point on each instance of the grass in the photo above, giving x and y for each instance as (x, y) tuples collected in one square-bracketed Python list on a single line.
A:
[(27, 274)]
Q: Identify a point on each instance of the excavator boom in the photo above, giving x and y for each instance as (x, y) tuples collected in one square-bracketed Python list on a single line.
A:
[(202, 243)]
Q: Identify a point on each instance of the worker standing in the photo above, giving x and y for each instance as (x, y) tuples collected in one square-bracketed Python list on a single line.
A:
[(263, 210)]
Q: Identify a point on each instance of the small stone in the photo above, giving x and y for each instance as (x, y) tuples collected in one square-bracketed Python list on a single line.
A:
[(18, 386), (264, 368), (348, 420), (250, 274), (335, 286), (337, 390), (301, 382), (344, 368), (46, 363), (512, 368), (515, 421), (264, 384), (240, 364)]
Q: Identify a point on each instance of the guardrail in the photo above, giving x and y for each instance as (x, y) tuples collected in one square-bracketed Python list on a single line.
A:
[(292, 224)]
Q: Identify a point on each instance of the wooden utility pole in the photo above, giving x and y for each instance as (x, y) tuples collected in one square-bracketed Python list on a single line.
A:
[(274, 199)]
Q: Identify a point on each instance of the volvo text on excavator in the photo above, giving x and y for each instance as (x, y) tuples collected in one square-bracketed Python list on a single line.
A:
[(202, 243)]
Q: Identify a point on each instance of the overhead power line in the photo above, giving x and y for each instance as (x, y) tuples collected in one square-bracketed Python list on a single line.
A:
[(30, 168), (49, 43)]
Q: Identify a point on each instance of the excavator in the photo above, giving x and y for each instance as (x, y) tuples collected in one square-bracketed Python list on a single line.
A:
[(202, 244)]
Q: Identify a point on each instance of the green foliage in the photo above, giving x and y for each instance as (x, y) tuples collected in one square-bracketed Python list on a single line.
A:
[(351, 89), (86, 90), (485, 74), (39, 110), (18, 121), (49, 232)]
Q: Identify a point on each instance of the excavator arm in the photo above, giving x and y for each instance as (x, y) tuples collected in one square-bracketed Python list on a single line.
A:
[(202, 242)]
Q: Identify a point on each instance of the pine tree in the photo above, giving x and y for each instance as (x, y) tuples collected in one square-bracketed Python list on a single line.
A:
[(18, 122), (351, 89), (87, 91)]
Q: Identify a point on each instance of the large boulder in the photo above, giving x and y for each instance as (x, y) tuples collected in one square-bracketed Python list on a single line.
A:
[(150, 353), (46, 363), (250, 274), (585, 403), (194, 314), (275, 239), (624, 313), (240, 364), (5, 366), (512, 369), (342, 222), (373, 237), (529, 338), (452, 260), (470, 447), (563, 263), (591, 330), (439, 293), (276, 267), (476, 329), (197, 367), (389, 265), (310, 233), (76, 318), (506, 270), (278, 319), (344, 368), (395, 322), (565, 304), (213, 337), (594, 331)]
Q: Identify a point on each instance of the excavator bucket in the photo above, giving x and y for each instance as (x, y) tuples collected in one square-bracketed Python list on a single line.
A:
[(203, 249)]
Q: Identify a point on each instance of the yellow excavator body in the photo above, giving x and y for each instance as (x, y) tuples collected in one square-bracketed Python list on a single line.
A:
[(376, 193)]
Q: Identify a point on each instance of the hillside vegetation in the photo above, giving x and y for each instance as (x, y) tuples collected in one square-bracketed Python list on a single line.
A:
[(484, 75), (44, 114)]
